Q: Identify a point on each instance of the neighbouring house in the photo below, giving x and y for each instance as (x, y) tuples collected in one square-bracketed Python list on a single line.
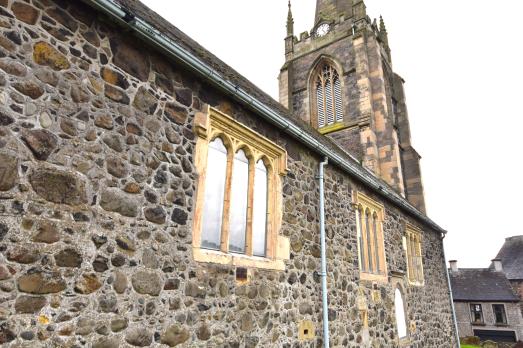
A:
[(485, 304), (511, 256), (152, 196)]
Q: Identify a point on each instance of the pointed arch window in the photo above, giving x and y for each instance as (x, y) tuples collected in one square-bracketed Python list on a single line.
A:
[(401, 318), (370, 238), (328, 103), (238, 214)]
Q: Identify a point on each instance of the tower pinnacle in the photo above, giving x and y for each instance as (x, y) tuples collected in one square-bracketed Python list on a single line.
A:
[(290, 21)]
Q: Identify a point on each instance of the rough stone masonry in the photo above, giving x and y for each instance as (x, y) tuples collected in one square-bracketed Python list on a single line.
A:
[(97, 187)]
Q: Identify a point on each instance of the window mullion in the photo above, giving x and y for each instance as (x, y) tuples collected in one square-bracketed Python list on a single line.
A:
[(224, 243), (250, 204)]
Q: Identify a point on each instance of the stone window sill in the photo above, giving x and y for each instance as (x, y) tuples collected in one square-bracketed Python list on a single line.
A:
[(332, 128), (417, 284), (380, 278), (237, 260)]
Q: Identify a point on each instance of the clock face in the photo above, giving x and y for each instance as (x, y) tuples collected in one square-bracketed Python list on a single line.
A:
[(323, 30)]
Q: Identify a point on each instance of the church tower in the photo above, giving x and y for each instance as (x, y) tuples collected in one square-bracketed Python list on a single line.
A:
[(339, 78)]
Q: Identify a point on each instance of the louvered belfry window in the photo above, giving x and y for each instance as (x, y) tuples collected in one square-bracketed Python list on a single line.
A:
[(328, 97)]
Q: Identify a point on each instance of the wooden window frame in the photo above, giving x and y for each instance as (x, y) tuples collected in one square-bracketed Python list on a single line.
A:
[(208, 126), (378, 273), (413, 250), (472, 321), (504, 314)]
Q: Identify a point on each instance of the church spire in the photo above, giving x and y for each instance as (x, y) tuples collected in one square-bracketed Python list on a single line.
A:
[(290, 21)]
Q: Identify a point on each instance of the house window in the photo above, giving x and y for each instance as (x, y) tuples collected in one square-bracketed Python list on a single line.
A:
[(328, 96), (401, 320), (369, 218), (414, 258), (476, 313), (238, 206), (499, 314)]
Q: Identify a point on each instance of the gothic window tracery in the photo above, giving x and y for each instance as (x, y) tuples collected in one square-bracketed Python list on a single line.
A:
[(329, 105)]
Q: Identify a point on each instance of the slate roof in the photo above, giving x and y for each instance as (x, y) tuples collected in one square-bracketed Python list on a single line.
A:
[(511, 256), (482, 285)]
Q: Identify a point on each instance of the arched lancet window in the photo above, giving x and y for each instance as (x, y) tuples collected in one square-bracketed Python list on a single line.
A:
[(399, 307), (214, 195), (360, 236), (375, 223), (329, 105), (259, 215), (369, 239), (239, 198)]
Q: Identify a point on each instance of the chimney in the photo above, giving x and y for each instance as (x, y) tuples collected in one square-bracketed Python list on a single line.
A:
[(454, 266), (498, 266)]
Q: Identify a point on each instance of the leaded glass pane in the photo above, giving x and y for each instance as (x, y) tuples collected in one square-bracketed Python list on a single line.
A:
[(238, 208), (259, 216)]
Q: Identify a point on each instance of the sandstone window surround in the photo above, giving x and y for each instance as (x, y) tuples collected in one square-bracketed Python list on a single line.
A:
[(413, 250), (371, 249), (327, 98), (238, 209)]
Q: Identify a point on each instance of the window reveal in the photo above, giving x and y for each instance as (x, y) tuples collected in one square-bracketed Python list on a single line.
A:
[(476, 313), (238, 205), (370, 238), (414, 258)]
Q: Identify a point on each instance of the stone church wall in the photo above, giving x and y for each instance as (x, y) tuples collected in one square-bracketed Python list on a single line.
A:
[(97, 187)]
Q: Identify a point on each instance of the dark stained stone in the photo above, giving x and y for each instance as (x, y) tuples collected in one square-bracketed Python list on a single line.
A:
[(172, 284), (100, 264), (8, 172), (87, 284), (104, 121), (6, 335), (92, 37), (5, 120), (25, 12), (175, 113), (68, 258), (47, 232), (23, 253), (130, 58), (175, 335), (41, 142), (114, 141), (36, 281), (147, 283), (179, 216), (3, 230), (116, 167), (117, 201), (145, 101), (184, 96), (63, 18), (114, 78), (90, 51), (156, 215), (125, 243), (116, 94), (58, 186), (99, 240), (139, 337), (29, 88), (118, 260), (29, 304), (45, 54), (14, 36)]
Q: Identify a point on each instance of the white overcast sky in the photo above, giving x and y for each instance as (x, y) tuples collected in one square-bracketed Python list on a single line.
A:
[(462, 62)]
